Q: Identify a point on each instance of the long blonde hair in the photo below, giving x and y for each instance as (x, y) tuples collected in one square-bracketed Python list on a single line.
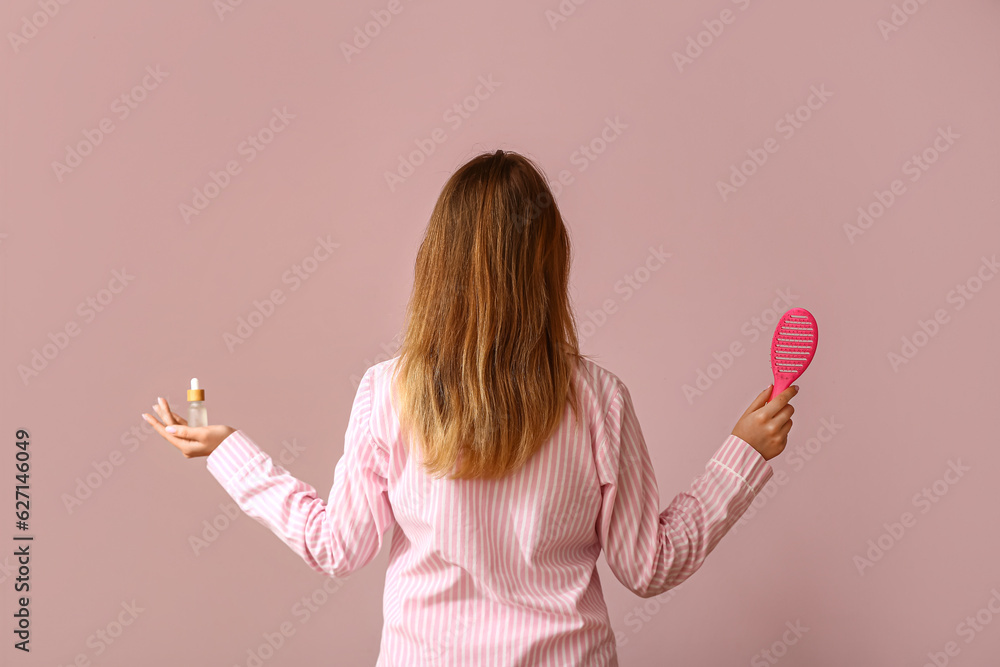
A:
[(489, 345)]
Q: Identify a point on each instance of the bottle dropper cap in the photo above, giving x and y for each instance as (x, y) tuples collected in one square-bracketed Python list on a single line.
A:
[(194, 393)]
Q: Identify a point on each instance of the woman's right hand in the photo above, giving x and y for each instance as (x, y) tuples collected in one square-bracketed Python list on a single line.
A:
[(191, 440), (765, 425)]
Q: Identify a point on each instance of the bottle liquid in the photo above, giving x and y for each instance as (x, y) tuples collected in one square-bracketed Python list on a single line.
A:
[(197, 412)]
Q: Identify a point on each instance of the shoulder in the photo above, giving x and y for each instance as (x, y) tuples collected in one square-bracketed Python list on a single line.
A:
[(605, 394), (372, 400), (598, 385), (376, 383), (373, 383), (377, 374)]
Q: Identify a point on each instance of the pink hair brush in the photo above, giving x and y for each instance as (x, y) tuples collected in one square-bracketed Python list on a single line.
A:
[(792, 348)]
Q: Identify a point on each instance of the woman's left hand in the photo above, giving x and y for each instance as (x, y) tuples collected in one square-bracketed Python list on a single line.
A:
[(191, 440)]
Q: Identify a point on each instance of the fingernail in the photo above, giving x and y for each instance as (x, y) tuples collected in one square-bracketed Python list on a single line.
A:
[(170, 429), (796, 387)]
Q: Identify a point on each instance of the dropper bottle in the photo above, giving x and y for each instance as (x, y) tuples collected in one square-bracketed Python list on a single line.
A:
[(197, 412)]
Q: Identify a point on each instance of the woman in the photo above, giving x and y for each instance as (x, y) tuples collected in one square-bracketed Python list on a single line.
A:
[(505, 460)]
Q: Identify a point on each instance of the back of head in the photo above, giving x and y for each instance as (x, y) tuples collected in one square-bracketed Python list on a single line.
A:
[(489, 343)]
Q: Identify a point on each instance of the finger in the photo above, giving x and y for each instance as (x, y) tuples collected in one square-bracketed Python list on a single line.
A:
[(161, 429), (150, 418), (759, 401), (783, 415), (183, 432), (780, 401), (164, 411), (178, 419), (158, 409)]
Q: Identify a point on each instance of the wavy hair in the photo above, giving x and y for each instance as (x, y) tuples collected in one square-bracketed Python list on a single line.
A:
[(489, 345)]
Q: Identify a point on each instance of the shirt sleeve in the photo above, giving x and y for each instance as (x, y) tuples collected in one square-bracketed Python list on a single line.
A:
[(651, 551), (334, 537)]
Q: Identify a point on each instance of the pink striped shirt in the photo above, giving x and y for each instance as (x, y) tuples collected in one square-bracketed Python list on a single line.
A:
[(499, 572)]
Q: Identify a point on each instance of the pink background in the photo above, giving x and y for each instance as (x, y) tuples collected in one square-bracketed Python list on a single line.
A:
[(793, 560)]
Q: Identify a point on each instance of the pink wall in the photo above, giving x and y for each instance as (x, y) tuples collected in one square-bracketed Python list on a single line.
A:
[(159, 97)]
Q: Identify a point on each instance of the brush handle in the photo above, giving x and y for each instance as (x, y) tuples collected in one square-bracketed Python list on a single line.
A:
[(780, 385)]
